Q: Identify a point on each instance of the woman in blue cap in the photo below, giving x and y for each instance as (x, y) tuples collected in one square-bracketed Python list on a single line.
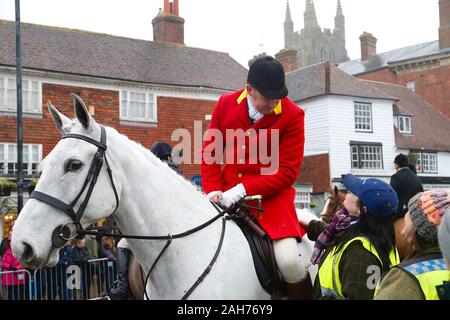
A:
[(358, 246)]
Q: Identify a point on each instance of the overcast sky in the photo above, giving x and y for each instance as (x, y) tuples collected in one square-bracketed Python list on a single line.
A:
[(242, 28)]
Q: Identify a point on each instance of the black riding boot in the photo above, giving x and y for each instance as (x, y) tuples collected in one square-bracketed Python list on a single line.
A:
[(119, 289)]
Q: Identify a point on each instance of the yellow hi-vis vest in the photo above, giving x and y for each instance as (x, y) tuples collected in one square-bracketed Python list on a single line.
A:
[(429, 273), (330, 283)]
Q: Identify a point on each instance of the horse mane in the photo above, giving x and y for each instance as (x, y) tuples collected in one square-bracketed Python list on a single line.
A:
[(162, 166)]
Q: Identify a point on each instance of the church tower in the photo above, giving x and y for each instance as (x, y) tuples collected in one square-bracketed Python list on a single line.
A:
[(288, 27), (310, 16)]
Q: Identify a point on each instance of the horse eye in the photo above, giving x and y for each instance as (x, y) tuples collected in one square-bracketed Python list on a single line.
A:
[(73, 165)]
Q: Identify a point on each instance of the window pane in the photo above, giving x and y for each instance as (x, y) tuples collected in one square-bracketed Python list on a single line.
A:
[(35, 154), (11, 93), (363, 116), (2, 92)]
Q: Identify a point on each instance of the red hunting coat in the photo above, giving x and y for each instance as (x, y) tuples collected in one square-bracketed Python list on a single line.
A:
[(279, 218)]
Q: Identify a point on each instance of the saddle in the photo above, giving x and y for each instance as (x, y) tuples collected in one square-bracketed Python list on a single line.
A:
[(261, 247)]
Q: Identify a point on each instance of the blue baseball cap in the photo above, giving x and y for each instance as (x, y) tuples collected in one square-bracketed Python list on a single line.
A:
[(377, 196)]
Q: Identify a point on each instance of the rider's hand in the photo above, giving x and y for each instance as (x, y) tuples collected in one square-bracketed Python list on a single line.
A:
[(233, 195), (215, 196)]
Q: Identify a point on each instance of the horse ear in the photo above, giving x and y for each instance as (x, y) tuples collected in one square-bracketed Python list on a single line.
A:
[(60, 120), (82, 112), (336, 190)]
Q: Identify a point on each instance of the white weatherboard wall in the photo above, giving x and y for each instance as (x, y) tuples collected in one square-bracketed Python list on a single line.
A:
[(443, 164), (342, 131), (316, 126)]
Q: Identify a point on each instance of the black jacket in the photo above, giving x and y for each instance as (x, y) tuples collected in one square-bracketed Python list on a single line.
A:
[(407, 185)]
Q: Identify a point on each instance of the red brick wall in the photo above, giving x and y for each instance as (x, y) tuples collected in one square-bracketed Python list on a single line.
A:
[(173, 113), (315, 170), (432, 85), (168, 29)]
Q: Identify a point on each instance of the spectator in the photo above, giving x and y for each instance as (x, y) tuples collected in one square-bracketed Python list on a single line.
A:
[(405, 183), (14, 281), (80, 256), (358, 244), (92, 246), (444, 245), (107, 271), (163, 151), (418, 276)]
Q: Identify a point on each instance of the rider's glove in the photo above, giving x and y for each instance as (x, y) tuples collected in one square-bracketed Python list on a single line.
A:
[(233, 195), (215, 196)]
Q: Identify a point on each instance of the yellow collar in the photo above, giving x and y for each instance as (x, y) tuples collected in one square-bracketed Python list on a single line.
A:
[(244, 95)]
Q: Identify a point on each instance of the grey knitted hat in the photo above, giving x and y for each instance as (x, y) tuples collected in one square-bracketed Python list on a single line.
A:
[(426, 210), (444, 236)]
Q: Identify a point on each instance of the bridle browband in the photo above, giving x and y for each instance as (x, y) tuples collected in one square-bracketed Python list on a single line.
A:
[(61, 234)]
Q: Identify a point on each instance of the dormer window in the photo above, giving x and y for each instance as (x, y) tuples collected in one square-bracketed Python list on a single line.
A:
[(404, 124)]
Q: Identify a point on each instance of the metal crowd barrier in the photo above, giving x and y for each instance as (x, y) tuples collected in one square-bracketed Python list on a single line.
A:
[(15, 285), (82, 281)]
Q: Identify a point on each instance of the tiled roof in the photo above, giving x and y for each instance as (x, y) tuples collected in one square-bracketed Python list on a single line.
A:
[(430, 128), (99, 55), (381, 60), (312, 81)]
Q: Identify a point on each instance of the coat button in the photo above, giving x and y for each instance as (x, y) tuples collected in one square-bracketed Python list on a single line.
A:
[(241, 161), (243, 147), (248, 134), (239, 175)]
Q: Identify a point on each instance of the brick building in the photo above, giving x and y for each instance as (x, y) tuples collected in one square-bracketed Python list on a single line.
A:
[(144, 89), (358, 126), (423, 68)]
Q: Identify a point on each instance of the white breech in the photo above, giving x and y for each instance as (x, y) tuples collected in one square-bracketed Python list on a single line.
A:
[(288, 260), (123, 243)]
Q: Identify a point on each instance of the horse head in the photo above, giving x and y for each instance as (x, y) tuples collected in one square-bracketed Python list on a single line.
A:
[(58, 208), (334, 203)]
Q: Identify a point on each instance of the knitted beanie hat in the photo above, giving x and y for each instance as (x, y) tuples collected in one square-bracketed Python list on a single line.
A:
[(426, 210), (444, 236)]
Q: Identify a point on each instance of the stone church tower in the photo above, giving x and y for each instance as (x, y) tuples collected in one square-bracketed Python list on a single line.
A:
[(311, 44)]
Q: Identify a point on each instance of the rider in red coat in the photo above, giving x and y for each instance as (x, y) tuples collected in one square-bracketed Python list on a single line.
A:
[(254, 146)]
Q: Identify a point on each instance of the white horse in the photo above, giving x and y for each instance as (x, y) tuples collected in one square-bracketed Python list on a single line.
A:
[(153, 200)]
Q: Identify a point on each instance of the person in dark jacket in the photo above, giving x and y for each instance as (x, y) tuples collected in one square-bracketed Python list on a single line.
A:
[(163, 151), (405, 183)]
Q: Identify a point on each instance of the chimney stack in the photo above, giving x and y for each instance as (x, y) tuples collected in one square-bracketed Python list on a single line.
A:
[(168, 26), (288, 58), (368, 45), (444, 27)]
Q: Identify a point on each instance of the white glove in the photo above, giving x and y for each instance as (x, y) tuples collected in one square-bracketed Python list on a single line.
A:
[(215, 196), (233, 195)]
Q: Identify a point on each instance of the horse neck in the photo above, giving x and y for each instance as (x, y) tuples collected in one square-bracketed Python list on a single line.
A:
[(154, 200)]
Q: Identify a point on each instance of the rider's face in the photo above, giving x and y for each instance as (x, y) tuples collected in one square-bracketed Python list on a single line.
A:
[(261, 103)]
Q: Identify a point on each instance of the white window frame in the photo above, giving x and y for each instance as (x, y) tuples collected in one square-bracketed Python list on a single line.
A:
[(411, 85), (150, 106), (6, 159), (362, 157), (26, 95), (302, 199), (404, 124), (427, 162), (363, 117)]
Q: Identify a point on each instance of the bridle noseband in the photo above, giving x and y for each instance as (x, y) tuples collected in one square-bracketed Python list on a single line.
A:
[(61, 234)]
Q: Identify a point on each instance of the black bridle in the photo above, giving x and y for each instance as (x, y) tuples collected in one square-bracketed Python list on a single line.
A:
[(62, 233)]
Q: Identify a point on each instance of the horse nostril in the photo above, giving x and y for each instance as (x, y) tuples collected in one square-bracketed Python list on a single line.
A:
[(28, 253)]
